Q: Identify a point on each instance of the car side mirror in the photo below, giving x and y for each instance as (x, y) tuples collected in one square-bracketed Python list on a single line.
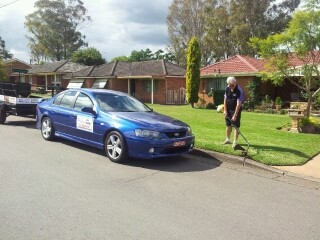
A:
[(88, 110)]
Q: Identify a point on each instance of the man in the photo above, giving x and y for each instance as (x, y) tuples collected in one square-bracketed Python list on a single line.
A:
[(233, 99)]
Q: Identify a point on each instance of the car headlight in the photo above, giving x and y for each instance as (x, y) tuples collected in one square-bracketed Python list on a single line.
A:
[(147, 133), (189, 131)]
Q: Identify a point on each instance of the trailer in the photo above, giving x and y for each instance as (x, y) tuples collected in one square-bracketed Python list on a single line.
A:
[(16, 99)]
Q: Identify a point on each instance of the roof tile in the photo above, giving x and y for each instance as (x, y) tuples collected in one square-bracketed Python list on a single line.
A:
[(234, 64), (63, 66), (130, 69)]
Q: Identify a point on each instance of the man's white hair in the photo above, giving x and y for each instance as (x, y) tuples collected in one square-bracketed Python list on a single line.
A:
[(231, 80)]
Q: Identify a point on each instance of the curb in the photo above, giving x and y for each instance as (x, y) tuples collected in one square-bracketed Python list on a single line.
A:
[(245, 162), (222, 157)]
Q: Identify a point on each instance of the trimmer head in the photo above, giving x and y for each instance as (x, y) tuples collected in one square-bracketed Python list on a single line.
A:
[(239, 147)]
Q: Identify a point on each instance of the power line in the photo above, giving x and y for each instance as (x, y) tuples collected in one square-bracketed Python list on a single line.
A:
[(9, 3)]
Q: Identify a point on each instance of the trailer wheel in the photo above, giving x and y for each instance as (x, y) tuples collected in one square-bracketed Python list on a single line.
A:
[(47, 130), (3, 114)]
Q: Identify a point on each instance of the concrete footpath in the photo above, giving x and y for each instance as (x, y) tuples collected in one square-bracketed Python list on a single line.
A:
[(309, 171)]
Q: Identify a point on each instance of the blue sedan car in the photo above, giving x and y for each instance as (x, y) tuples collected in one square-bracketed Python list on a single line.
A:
[(114, 121)]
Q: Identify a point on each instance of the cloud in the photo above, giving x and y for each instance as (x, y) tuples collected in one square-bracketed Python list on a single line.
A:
[(12, 30), (117, 28), (144, 12)]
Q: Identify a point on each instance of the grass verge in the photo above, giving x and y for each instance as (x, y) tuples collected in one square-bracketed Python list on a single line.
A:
[(268, 145)]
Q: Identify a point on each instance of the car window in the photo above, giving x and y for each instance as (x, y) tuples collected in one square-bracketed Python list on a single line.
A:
[(68, 99), (58, 99), (82, 101), (120, 103)]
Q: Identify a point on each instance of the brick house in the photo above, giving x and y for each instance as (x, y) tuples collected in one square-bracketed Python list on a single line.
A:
[(245, 69), (44, 75), (155, 81), (15, 69)]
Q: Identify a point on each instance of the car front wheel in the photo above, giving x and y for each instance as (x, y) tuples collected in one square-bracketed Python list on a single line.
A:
[(115, 147), (47, 129)]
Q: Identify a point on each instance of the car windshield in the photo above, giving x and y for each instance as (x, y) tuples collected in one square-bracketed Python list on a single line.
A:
[(109, 102)]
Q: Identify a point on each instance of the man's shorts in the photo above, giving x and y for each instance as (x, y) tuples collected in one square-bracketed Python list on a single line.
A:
[(235, 123)]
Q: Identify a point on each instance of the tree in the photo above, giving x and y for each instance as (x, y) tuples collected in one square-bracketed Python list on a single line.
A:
[(54, 28), (142, 55), (146, 55), (185, 20), (88, 56), (231, 23), (279, 15), (170, 57), (193, 71), (3, 75), (301, 40), (218, 32), (4, 54), (120, 58)]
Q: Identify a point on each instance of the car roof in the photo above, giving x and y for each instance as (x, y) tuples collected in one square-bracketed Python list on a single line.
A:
[(90, 90)]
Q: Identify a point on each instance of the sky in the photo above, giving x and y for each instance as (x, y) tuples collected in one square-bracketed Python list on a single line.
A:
[(117, 28)]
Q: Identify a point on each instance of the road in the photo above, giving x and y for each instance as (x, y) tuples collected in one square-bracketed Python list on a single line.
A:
[(61, 190)]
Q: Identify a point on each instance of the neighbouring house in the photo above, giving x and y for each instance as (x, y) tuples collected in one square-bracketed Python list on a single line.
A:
[(53, 73), (16, 69), (155, 81), (246, 70)]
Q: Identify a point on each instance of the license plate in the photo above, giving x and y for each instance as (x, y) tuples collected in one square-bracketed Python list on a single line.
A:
[(179, 143)]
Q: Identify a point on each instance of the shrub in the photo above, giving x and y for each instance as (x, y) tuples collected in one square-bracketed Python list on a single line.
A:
[(246, 105), (270, 111), (201, 103), (278, 101), (309, 121), (254, 91), (210, 106), (283, 111), (266, 103)]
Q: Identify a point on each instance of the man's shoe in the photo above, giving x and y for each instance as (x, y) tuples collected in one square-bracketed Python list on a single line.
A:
[(226, 142), (234, 144)]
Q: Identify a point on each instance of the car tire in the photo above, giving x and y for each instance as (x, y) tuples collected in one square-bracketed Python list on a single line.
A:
[(115, 147), (47, 130), (3, 114)]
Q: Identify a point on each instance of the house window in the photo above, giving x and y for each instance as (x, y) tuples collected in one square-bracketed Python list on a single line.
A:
[(146, 85), (57, 81), (216, 84)]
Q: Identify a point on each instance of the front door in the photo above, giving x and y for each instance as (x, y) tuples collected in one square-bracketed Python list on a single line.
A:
[(132, 90)]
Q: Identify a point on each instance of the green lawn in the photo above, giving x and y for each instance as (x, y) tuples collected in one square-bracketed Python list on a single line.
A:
[(268, 145)]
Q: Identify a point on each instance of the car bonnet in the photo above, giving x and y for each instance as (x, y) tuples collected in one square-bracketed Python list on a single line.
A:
[(151, 120)]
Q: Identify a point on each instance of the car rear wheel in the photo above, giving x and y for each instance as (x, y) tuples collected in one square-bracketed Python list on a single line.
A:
[(47, 129), (115, 147), (3, 114)]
